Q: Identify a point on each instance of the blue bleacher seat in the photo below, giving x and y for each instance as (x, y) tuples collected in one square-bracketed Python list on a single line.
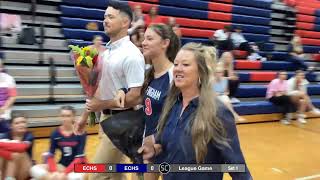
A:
[(311, 49), (79, 23), (317, 13), (277, 65), (80, 43), (83, 34), (247, 91), (258, 29), (276, 55), (186, 4), (101, 4), (199, 40), (236, 18), (256, 37), (253, 3), (251, 11), (183, 12), (256, 107), (80, 12), (262, 107)]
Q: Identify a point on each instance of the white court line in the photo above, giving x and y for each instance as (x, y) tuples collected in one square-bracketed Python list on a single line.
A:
[(309, 177), (277, 170)]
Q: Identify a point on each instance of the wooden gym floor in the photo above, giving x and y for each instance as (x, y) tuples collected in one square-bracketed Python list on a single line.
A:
[(273, 151)]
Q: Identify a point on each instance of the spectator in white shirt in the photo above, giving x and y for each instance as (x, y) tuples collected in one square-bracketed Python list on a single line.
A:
[(297, 89), (240, 43), (222, 39)]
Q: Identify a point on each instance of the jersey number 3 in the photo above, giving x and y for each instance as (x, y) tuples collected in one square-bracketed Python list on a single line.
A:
[(148, 108)]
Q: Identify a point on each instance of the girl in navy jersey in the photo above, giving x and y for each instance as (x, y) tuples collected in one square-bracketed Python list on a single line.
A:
[(16, 149), (71, 147), (160, 46)]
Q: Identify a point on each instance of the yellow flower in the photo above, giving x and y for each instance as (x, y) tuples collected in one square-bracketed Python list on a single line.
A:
[(79, 60), (89, 61), (87, 48)]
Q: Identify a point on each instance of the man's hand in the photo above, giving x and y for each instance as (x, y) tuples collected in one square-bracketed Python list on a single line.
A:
[(120, 98), (80, 124), (94, 105)]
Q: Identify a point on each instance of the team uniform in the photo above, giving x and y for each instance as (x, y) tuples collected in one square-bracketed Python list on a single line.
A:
[(6, 148), (72, 152), (71, 147), (154, 99)]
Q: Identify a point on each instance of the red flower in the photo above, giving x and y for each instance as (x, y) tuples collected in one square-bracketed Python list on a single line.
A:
[(95, 59)]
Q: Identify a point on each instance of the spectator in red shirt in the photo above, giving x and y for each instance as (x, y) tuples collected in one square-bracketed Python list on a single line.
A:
[(153, 17)]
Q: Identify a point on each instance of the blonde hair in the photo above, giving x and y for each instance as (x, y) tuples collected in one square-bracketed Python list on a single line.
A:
[(296, 44), (222, 62), (205, 127)]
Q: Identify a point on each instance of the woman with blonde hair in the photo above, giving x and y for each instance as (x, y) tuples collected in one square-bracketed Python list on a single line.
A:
[(220, 86), (194, 126), (226, 62), (297, 57)]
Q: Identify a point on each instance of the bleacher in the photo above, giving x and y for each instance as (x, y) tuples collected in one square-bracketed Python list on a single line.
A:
[(67, 20), (33, 79)]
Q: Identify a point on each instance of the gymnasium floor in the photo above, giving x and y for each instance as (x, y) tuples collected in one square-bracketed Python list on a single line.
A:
[(272, 151)]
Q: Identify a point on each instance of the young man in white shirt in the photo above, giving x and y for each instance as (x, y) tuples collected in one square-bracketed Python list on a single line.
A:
[(297, 89), (240, 43), (222, 39), (123, 67)]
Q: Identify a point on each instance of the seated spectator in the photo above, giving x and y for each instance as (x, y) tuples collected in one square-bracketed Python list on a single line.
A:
[(98, 44), (10, 22), (71, 147), (16, 150), (138, 38), (255, 54), (137, 21), (240, 43), (153, 17), (297, 56), (222, 39), (297, 89), (175, 27), (220, 86), (226, 62), (8, 93), (277, 94)]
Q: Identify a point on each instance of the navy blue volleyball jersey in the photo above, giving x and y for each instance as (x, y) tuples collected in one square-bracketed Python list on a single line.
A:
[(70, 146), (28, 138), (154, 99)]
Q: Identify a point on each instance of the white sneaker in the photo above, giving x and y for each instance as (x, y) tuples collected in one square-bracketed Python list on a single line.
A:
[(263, 59), (234, 100), (302, 120), (316, 111), (285, 122), (301, 116), (253, 56)]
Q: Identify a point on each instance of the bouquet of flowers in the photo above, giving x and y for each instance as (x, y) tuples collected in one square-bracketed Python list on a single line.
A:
[(88, 67)]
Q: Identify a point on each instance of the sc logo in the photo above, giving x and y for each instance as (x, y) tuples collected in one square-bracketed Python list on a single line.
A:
[(164, 168)]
